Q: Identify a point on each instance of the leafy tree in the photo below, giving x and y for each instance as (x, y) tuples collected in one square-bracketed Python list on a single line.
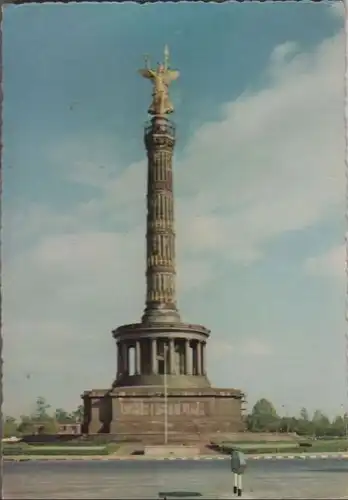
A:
[(31, 425), (264, 407), (62, 416), (49, 427), (304, 415), (338, 427), (304, 424), (305, 427), (10, 427), (40, 421), (78, 413), (41, 407), (264, 416), (319, 416), (321, 423), (26, 425), (249, 423), (288, 424)]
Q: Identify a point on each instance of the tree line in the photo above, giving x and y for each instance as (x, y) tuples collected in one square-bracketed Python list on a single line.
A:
[(43, 416), (265, 418), (262, 418)]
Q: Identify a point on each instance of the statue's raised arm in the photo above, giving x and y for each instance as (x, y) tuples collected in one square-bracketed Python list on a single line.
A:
[(161, 78)]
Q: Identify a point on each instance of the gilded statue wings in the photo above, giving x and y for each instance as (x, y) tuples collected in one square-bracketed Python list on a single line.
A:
[(172, 75), (147, 73)]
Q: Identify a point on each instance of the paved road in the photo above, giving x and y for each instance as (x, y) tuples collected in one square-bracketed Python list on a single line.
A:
[(317, 479)]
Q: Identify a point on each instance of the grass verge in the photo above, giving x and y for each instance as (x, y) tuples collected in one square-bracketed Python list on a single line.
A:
[(16, 450), (333, 446)]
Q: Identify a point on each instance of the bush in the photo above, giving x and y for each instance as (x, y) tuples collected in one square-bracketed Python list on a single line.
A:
[(270, 451), (62, 444), (305, 445)]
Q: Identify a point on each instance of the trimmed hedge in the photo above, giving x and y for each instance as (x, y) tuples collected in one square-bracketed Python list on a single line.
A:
[(272, 450), (257, 446), (28, 451), (259, 451), (60, 444)]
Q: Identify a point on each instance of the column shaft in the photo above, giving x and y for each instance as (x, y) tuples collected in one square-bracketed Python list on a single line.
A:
[(171, 356), (204, 359), (160, 235), (182, 368), (194, 358), (199, 358), (165, 357), (119, 359), (187, 358), (154, 360), (137, 357), (125, 360)]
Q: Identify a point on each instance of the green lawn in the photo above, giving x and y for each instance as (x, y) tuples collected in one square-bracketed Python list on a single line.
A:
[(62, 449), (330, 445), (25, 449), (257, 446), (334, 445), (88, 449)]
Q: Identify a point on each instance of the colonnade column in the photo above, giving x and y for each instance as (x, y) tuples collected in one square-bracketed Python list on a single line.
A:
[(192, 360), (154, 360), (204, 361), (199, 358), (119, 360), (125, 359), (187, 358), (137, 358), (171, 357)]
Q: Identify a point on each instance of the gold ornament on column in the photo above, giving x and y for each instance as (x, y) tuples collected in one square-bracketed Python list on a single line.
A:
[(161, 78)]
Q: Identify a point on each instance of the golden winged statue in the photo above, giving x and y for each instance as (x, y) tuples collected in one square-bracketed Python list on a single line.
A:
[(160, 78)]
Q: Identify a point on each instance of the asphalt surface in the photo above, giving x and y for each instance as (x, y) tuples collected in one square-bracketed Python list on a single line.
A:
[(316, 479)]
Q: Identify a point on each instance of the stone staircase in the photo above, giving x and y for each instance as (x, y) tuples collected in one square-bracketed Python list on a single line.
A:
[(129, 449)]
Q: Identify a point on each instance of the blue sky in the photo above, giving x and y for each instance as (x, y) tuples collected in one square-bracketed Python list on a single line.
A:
[(259, 181)]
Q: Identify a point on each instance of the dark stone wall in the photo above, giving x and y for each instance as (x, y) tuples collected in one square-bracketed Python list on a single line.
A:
[(188, 417)]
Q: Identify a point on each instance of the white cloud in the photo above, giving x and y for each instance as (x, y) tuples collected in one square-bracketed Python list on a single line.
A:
[(279, 162), (331, 264), (272, 164), (281, 54)]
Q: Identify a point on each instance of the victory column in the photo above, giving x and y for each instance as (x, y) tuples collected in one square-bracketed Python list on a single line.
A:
[(169, 376)]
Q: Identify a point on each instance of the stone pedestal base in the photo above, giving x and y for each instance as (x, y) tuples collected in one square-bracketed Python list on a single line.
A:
[(138, 413), (180, 382)]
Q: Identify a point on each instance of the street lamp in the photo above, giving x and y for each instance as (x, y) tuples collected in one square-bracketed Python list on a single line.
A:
[(345, 423), (165, 391)]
